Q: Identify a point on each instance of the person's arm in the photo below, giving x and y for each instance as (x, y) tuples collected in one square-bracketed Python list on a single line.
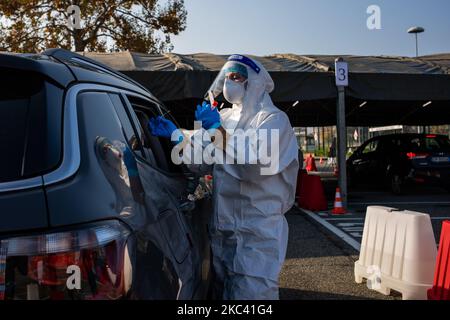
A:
[(272, 148)]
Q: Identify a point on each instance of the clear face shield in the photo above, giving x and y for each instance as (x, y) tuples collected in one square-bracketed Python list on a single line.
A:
[(231, 71), (235, 71)]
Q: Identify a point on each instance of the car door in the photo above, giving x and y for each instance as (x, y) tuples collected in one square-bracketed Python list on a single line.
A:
[(106, 185), (392, 158), (183, 222), (366, 161)]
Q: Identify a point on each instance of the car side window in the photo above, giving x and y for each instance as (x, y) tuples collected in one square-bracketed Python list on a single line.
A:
[(371, 147), (396, 143), (414, 144), (391, 145), (432, 145), (99, 115), (161, 148), (100, 126), (133, 139)]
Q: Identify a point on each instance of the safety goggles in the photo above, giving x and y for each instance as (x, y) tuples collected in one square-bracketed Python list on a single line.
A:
[(236, 77), (232, 70)]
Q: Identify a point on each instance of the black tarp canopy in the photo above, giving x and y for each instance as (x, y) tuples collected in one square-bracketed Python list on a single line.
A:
[(395, 88)]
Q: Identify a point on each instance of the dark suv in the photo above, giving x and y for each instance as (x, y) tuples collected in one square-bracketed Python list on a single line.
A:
[(91, 205), (399, 159)]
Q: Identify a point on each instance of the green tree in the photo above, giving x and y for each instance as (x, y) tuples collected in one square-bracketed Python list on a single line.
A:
[(106, 25)]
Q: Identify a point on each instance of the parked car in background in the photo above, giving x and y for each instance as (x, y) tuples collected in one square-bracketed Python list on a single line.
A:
[(91, 205), (399, 159)]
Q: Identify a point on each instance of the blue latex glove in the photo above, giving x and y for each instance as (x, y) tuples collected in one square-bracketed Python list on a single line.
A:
[(210, 118), (161, 127)]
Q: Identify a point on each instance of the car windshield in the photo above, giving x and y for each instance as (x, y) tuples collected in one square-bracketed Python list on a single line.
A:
[(30, 124)]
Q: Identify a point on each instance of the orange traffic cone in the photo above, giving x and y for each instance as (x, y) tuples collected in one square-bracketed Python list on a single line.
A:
[(338, 208), (311, 164)]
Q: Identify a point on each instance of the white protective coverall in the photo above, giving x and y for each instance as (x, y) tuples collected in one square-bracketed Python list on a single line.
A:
[(249, 231)]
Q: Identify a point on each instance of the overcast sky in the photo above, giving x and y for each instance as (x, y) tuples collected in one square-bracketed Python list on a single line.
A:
[(263, 27)]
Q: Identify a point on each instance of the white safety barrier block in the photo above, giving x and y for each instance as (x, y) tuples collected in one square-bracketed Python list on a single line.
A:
[(398, 252)]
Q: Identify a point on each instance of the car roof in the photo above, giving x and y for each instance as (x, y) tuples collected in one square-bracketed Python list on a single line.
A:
[(65, 67), (45, 65)]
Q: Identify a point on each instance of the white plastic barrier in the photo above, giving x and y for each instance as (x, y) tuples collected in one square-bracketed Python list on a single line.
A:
[(398, 252)]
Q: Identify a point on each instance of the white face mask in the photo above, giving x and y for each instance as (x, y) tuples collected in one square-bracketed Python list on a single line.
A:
[(234, 91)]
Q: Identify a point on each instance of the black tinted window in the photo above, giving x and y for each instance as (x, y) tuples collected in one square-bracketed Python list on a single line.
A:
[(428, 143), (159, 148), (370, 147), (133, 140), (30, 125)]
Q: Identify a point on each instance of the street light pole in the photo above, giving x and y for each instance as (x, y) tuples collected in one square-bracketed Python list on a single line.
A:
[(417, 46), (416, 31)]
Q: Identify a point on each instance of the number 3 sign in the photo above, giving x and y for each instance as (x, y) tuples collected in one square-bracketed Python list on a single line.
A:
[(341, 68)]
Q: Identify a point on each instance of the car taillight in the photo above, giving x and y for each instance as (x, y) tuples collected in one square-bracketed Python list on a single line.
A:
[(413, 155), (88, 264)]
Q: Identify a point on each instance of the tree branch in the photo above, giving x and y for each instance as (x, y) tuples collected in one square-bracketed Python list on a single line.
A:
[(127, 13)]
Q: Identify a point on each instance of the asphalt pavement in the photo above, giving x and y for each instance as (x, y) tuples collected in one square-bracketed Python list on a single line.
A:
[(421, 198), (323, 247), (425, 199), (319, 266)]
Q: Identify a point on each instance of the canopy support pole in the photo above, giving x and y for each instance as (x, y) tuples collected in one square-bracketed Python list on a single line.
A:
[(342, 145), (341, 70)]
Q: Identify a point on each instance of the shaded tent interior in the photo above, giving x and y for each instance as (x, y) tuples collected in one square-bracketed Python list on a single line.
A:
[(395, 88)]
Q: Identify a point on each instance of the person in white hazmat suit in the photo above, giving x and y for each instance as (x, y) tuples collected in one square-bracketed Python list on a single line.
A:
[(249, 231)]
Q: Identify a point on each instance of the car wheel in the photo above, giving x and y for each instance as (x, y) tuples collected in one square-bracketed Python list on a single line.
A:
[(396, 183)]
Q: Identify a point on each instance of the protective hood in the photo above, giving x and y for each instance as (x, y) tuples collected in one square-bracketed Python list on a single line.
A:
[(258, 87), (256, 112)]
